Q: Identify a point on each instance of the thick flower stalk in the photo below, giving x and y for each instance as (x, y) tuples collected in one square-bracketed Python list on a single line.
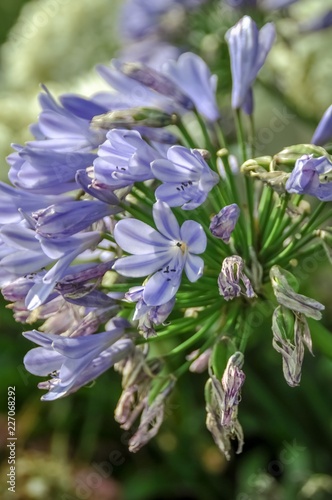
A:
[(129, 222)]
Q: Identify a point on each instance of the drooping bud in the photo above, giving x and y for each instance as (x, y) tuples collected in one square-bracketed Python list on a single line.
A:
[(200, 362), (151, 419), (290, 334), (222, 399), (287, 297), (137, 375), (230, 276), (223, 224), (147, 117)]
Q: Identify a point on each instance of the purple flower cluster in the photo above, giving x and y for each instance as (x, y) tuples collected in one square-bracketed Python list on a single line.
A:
[(63, 213)]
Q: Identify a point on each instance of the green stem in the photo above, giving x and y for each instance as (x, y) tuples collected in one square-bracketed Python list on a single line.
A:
[(185, 134), (277, 223)]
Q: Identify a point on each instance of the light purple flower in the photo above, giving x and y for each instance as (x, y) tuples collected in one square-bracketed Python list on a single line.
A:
[(142, 18), (46, 171), (64, 251), (75, 361), (164, 253), (187, 178), (14, 200), (148, 316), (70, 217), (223, 224), (323, 132), (318, 23), (311, 176), (130, 93), (194, 78), (248, 48), (124, 158)]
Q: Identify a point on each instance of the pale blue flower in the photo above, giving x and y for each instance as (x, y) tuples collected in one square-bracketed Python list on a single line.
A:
[(163, 253), (311, 176), (187, 178), (124, 158), (75, 361), (70, 217), (193, 77), (323, 132), (148, 316), (248, 48)]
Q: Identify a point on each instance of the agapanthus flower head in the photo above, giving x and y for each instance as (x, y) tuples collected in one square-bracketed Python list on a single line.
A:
[(311, 176), (164, 254), (223, 224), (248, 48), (230, 277), (187, 178)]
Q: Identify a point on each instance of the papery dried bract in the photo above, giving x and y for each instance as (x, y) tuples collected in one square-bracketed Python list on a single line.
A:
[(222, 399), (287, 297), (230, 278), (290, 334)]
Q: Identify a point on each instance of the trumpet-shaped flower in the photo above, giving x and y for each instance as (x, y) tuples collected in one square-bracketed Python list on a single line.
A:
[(193, 77), (164, 254), (187, 178), (323, 132), (123, 159), (248, 49), (311, 176), (75, 361)]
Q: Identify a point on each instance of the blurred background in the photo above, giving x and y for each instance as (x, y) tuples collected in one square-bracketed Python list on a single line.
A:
[(72, 448)]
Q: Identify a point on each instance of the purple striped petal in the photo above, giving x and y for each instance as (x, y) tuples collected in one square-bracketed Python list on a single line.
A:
[(166, 221), (194, 267)]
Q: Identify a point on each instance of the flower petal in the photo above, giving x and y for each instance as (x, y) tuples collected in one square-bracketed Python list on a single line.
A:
[(194, 267), (138, 238), (166, 221), (194, 236), (141, 265)]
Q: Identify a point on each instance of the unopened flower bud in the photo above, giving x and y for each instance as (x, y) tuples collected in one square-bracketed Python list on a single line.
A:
[(147, 117), (156, 81), (223, 224)]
